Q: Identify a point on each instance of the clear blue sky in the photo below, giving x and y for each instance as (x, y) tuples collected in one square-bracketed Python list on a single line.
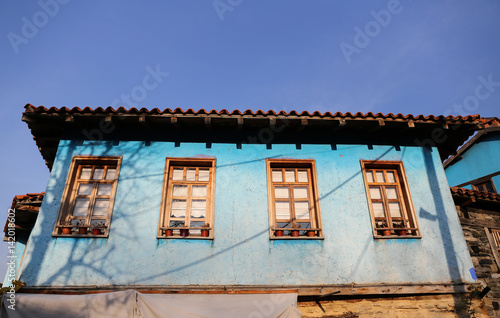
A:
[(410, 57)]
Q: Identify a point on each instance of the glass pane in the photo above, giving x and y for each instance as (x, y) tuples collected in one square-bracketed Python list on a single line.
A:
[(178, 174), (176, 223), (104, 189), (300, 192), (281, 192), (191, 174), (98, 173), (101, 207), (198, 208), (391, 177), (302, 175), (391, 193), (199, 191), (375, 193), (180, 190), (369, 176), (86, 173), (302, 210), (81, 207), (178, 209), (378, 209), (85, 188), (111, 174), (395, 209), (203, 175), (196, 224), (277, 176), (289, 175), (380, 176), (283, 210)]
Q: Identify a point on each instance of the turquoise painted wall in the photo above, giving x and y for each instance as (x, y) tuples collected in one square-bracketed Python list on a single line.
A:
[(482, 159), (241, 252)]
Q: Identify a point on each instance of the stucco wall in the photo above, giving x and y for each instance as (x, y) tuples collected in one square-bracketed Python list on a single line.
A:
[(241, 252), (478, 161)]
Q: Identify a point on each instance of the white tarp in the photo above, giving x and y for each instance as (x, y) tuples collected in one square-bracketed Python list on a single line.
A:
[(132, 304)]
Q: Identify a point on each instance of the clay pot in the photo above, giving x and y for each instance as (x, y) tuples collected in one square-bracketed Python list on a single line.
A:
[(96, 231), (204, 233), (295, 233), (169, 232), (278, 233), (66, 230), (311, 234), (184, 232), (386, 232), (82, 230), (402, 232)]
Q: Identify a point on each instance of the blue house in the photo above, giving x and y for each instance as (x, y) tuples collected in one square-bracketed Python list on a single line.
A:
[(321, 205)]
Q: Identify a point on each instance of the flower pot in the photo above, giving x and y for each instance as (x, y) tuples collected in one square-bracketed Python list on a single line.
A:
[(66, 230), (278, 233), (184, 232), (96, 231), (311, 234), (295, 233), (169, 232), (386, 232), (204, 233), (82, 230), (402, 232)]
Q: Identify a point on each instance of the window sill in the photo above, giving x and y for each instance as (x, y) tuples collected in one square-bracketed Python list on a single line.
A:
[(81, 235), (185, 237), (383, 237), (297, 238)]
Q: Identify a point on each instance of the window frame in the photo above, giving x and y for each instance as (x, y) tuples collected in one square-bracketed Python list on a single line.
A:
[(314, 217), (68, 200), (167, 196), (475, 186), (407, 209)]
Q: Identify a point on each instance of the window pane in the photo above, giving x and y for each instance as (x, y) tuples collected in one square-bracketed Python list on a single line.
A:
[(302, 210), (85, 189), (199, 191), (196, 224), (395, 209), (375, 193), (104, 189), (98, 173), (178, 174), (191, 174), (289, 175), (283, 210), (378, 209), (302, 175), (281, 192), (203, 175), (111, 174), (198, 208), (101, 207), (86, 173), (369, 176), (391, 177), (391, 193), (277, 176), (300, 192), (178, 209), (180, 190), (380, 176), (489, 187), (81, 207)]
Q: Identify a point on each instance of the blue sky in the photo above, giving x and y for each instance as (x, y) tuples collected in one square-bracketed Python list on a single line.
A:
[(410, 57)]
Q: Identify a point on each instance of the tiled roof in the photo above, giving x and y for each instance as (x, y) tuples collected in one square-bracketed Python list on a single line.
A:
[(48, 125), (26, 208), (456, 191), (270, 113)]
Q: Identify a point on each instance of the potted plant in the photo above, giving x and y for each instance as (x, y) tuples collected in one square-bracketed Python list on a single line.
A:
[(311, 233), (169, 232), (278, 233), (402, 227), (184, 232), (385, 232), (205, 232), (66, 227), (82, 229), (97, 230), (296, 231)]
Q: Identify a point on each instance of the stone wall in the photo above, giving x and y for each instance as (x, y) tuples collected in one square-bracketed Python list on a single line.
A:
[(481, 250), (438, 306)]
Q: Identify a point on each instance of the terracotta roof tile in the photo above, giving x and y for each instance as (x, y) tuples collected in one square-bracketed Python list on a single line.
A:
[(474, 193)]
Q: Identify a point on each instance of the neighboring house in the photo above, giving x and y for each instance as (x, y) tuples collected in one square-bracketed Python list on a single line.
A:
[(474, 174), (351, 212)]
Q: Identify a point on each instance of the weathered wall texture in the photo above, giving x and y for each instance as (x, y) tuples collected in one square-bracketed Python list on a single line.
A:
[(241, 252), (478, 161), (439, 306), (481, 251)]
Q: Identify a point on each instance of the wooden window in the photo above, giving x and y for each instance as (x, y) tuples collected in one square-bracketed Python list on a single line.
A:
[(293, 199), (188, 200), (389, 199), (486, 186), (496, 238), (88, 197)]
